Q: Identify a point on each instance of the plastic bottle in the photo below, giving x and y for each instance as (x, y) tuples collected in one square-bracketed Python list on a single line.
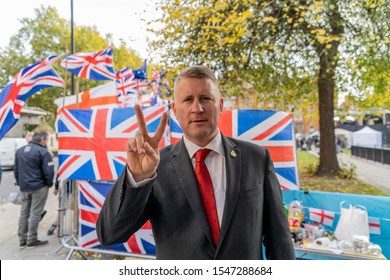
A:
[(285, 209), (295, 214)]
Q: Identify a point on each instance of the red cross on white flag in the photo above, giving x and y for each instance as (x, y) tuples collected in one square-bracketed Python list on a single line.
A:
[(321, 216)]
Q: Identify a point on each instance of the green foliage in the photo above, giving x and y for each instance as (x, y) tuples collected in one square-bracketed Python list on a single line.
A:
[(347, 171), (307, 164), (326, 184), (280, 51)]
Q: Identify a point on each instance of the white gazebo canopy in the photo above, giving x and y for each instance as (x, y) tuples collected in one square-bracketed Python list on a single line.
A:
[(367, 137)]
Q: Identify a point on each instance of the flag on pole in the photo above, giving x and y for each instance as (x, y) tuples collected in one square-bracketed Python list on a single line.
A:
[(103, 96), (126, 86), (125, 82), (28, 81), (141, 73), (142, 86), (91, 65)]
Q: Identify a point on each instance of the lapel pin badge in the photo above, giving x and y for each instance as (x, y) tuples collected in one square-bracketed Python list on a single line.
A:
[(233, 154)]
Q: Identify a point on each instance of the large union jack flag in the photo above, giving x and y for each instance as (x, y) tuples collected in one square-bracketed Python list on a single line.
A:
[(28, 81), (92, 143), (270, 129), (91, 199), (91, 65)]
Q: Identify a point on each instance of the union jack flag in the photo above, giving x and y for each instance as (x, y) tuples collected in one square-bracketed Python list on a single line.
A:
[(92, 143), (126, 86), (321, 216), (91, 199), (270, 129), (91, 65), (125, 82), (28, 81), (142, 86)]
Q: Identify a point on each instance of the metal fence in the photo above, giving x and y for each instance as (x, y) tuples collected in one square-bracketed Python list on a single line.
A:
[(374, 154), (68, 226)]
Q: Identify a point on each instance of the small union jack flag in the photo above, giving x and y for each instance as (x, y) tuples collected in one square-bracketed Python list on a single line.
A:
[(91, 65), (127, 90), (28, 81), (91, 199), (321, 216), (125, 82), (101, 136), (270, 129), (142, 86)]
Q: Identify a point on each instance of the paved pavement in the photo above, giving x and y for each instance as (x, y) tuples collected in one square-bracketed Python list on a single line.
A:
[(9, 241), (373, 173)]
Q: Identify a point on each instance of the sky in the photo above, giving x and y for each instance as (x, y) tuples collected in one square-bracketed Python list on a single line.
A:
[(124, 19)]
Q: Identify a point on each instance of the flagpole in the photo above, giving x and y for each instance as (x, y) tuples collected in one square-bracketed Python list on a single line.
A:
[(74, 182), (71, 42)]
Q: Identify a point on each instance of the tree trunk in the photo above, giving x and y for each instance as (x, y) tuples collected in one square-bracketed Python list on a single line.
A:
[(329, 165)]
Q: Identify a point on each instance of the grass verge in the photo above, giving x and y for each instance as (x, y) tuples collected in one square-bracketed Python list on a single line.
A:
[(307, 165)]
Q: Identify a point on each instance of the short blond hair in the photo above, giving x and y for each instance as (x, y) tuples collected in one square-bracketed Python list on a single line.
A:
[(198, 72)]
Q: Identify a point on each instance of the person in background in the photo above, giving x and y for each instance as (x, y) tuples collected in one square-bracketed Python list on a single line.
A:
[(34, 173), (208, 196), (28, 136)]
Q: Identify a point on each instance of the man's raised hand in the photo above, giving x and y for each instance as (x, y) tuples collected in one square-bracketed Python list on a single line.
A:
[(143, 155)]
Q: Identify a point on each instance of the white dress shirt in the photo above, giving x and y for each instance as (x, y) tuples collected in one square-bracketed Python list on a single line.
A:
[(215, 162)]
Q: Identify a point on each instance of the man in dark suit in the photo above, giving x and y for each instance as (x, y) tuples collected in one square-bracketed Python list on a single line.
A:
[(228, 211)]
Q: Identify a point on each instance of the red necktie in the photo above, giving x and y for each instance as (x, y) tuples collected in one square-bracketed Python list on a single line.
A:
[(207, 193)]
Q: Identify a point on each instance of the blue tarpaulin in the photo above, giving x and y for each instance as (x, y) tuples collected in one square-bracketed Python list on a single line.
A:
[(377, 207)]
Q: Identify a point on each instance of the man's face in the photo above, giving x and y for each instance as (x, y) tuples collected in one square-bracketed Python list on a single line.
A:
[(198, 107), (43, 142)]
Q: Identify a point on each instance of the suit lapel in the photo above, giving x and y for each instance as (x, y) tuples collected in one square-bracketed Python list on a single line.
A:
[(184, 170), (233, 175)]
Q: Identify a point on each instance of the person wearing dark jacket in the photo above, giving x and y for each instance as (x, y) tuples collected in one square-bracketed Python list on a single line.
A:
[(34, 173)]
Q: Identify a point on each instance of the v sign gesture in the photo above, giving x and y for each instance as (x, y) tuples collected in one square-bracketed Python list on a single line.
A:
[(143, 154)]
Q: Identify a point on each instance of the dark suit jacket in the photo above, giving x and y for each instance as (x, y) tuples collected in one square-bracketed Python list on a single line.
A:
[(253, 215)]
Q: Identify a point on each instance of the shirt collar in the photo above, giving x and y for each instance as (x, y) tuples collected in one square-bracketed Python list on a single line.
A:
[(214, 145)]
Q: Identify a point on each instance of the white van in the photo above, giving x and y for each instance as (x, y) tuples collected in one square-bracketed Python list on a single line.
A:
[(8, 147)]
